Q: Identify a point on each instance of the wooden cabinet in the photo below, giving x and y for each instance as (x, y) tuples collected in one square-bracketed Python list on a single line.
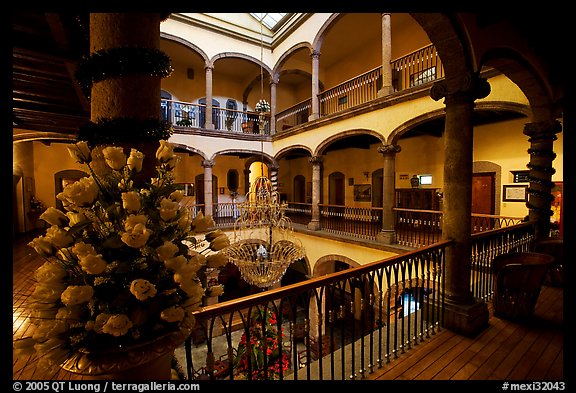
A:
[(418, 198)]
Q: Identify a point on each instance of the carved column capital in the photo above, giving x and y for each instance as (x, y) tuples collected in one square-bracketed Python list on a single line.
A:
[(467, 87), (316, 160), (315, 54), (207, 163), (389, 149), (542, 129)]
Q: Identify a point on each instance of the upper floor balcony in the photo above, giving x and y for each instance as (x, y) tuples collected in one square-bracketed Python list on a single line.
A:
[(410, 72)]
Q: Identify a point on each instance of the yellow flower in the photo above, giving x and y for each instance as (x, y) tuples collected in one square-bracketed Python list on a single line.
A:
[(135, 160), (117, 325), (137, 236), (80, 152), (42, 246), (54, 216), (168, 209), (172, 314), (59, 237), (142, 289), (131, 201), (220, 243), (81, 193), (82, 249), (76, 294), (165, 153), (166, 250), (49, 272), (174, 264), (201, 223), (93, 264), (216, 260), (114, 157)]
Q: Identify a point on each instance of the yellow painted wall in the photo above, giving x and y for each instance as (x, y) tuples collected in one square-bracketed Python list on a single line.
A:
[(506, 145), (420, 155)]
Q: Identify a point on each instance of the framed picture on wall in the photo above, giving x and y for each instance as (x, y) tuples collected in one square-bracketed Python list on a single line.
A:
[(514, 193), (363, 192)]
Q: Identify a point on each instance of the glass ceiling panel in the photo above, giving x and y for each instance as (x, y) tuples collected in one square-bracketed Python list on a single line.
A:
[(270, 20)]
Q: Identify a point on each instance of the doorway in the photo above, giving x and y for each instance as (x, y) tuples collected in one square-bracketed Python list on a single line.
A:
[(336, 192), (299, 189), (483, 193)]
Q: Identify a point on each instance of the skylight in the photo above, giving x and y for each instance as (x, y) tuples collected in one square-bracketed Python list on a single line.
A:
[(270, 20)]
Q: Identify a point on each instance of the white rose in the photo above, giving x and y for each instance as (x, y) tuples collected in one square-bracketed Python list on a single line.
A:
[(54, 216), (168, 209), (115, 157), (81, 193), (131, 201), (80, 152), (135, 160)]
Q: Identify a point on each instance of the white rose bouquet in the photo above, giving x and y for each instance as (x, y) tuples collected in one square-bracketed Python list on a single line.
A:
[(124, 264)]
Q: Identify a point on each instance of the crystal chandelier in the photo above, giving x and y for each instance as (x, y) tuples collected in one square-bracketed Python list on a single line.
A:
[(264, 245)]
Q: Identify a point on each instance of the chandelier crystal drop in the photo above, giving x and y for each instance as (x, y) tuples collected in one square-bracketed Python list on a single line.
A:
[(264, 244)]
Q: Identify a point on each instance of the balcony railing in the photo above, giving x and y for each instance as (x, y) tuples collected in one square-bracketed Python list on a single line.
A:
[(336, 327), (414, 228), (417, 68), (187, 114), (487, 245)]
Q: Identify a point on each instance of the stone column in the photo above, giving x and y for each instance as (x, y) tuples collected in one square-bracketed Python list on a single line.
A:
[(209, 121), (316, 162), (542, 136), (127, 96), (273, 84), (386, 57), (274, 177), (315, 87), (207, 165), (388, 234), (463, 314)]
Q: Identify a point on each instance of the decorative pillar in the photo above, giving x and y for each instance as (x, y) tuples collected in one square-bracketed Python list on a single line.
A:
[(386, 57), (542, 136), (125, 62), (388, 234), (207, 165), (273, 84), (463, 313), (316, 162), (274, 177), (209, 125), (315, 88)]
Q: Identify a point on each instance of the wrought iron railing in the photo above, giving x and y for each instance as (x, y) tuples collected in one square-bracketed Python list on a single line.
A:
[(415, 69), (362, 222), (187, 114), (487, 245), (336, 327)]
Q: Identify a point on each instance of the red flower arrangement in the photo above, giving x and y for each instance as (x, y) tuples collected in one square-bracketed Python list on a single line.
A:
[(264, 339)]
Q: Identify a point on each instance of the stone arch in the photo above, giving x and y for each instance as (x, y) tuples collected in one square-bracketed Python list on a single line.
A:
[(288, 53), (323, 31), (324, 144), (186, 43), (182, 148), (322, 265), (524, 74), (282, 152)]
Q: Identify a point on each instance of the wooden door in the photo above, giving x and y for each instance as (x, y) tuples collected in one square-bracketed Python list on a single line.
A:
[(299, 189), (483, 193)]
